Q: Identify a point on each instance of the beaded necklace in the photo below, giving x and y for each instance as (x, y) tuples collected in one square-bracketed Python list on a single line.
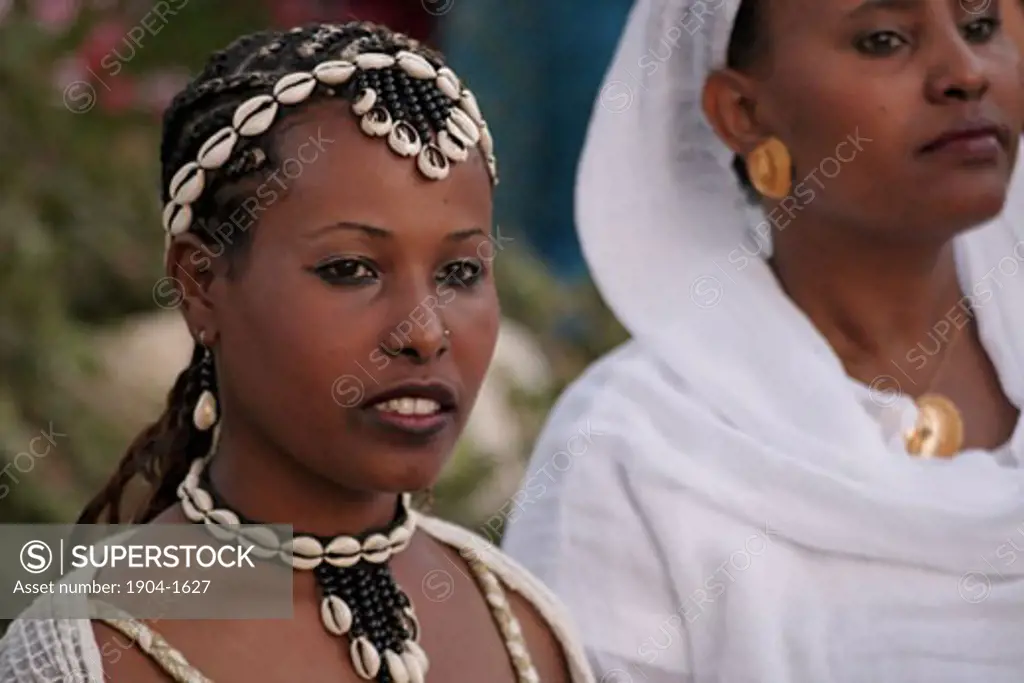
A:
[(360, 599)]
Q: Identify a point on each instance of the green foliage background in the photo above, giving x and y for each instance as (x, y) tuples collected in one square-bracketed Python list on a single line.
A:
[(81, 247)]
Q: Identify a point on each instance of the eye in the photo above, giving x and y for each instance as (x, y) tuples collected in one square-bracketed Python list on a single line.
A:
[(880, 43), (981, 30), (464, 273), (345, 271)]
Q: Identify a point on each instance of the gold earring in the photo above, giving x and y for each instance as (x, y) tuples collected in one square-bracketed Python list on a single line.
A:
[(770, 168)]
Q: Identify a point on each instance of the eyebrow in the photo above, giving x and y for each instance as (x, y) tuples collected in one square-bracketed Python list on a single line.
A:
[(383, 233), (462, 235), (891, 5)]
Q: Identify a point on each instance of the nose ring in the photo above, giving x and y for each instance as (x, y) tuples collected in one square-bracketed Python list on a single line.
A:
[(394, 353)]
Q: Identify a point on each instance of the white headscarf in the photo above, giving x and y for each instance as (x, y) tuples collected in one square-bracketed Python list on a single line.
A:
[(729, 422), (658, 213)]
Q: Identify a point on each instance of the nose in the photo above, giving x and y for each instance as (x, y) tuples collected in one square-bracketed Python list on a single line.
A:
[(420, 335), (958, 74)]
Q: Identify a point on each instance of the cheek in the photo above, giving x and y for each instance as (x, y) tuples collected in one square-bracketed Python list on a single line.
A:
[(473, 319), (817, 111), (1007, 70), (299, 331), (1013, 22), (825, 147)]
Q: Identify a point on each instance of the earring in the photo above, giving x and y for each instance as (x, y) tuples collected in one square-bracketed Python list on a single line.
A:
[(770, 168), (447, 333), (204, 415)]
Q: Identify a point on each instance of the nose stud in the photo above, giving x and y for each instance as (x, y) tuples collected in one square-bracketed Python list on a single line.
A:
[(394, 353)]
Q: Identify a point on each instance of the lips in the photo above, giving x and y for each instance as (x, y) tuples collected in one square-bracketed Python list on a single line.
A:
[(968, 132), (418, 410), (412, 394)]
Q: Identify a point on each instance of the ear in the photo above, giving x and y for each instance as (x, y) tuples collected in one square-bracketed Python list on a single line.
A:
[(191, 269), (730, 105)]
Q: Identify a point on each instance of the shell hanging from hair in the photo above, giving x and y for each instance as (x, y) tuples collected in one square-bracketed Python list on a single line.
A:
[(364, 103), (452, 148), (462, 128), (377, 122), (432, 162), (448, 83), (404, 140)]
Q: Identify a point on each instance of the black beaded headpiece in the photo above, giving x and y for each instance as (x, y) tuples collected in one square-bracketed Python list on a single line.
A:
[(400, 90)]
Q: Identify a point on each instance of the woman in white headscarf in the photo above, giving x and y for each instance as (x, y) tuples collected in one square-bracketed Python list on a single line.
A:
[(805, 467)]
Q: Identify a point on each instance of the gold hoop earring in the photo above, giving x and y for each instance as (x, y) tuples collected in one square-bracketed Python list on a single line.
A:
[(770, 168)]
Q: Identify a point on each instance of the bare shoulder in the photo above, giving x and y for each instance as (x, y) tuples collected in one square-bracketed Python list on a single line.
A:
[(546, 631), (543, 645)]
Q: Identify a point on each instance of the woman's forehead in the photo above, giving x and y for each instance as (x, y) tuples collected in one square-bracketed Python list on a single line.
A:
[(325, 147), (328, 171)]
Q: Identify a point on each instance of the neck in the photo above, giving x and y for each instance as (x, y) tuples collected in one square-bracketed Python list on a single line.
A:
[(272, 487), (874, 303)]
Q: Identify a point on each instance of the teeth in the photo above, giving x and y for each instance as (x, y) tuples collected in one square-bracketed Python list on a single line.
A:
[(409, 406)]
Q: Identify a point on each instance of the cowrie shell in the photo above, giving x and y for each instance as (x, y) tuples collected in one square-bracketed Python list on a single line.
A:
[(216, 151), (335, 72), (433, 163), (294, 88), (177, 218), (416, 65), (374, 60), (254, 116), (187, 183), (365, 102)]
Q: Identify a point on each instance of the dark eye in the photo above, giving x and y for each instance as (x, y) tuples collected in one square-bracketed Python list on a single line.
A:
[(880, 43), (345, 271), (463, 273), (981, 30)]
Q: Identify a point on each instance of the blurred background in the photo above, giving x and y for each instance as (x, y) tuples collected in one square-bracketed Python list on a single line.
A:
[(87, 353)]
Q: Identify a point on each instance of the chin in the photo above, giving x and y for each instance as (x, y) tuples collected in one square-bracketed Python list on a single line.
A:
[(971, 207), (966, 201), (407, 472), (393, 459)]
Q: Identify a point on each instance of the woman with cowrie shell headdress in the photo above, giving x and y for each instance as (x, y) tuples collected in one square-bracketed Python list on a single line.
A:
[(328, 208)]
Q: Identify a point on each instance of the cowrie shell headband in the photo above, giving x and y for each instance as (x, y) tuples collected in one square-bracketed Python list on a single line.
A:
[(440, 99)]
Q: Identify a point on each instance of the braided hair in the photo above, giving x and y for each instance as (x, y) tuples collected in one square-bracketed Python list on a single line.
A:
[(250, 66)]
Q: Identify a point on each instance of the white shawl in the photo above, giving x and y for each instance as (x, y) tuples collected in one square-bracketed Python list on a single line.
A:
[(729, 412)]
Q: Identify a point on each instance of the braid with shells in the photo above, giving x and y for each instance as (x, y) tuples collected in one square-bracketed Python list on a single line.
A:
[(219, 131)]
